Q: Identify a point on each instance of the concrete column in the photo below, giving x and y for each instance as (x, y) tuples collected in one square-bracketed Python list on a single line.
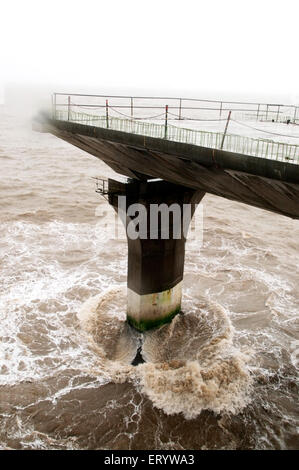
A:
[(155, 255)]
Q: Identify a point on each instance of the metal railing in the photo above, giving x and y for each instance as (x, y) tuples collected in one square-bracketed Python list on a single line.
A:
[(179, 108), (101, 186), (263, 148)]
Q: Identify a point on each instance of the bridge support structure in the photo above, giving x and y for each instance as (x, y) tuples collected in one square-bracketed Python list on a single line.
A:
[(156, 215)]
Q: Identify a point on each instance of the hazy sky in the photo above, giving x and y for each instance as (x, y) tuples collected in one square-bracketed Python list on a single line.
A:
[(248, 47)]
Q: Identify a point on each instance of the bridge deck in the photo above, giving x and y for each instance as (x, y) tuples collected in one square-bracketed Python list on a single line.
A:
[(263, 148)]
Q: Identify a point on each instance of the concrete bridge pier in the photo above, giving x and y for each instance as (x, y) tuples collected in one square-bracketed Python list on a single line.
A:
[(156, 215)]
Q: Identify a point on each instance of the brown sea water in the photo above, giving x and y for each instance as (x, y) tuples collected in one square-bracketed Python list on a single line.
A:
[(222, 375)]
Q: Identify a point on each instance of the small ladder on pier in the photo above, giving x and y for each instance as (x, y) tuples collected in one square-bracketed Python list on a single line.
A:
[(101, 186)]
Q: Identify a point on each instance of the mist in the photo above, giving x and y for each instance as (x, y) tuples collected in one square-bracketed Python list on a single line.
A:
[(220, 50)]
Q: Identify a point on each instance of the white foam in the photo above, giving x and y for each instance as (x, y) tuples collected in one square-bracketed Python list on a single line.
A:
[(191, 365)]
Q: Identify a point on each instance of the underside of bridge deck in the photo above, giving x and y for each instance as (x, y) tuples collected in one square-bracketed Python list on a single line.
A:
[(267, 184)]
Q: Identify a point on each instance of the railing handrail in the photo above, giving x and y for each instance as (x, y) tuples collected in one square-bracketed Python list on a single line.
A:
[(189, 109), (176, 98)]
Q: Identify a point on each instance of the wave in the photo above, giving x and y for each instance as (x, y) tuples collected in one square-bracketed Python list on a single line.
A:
[(190, 364)]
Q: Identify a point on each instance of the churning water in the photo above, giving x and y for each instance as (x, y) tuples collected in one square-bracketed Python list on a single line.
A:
[(222, 375)]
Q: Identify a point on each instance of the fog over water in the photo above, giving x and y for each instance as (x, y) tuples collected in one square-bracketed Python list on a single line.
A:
[(222, 375)]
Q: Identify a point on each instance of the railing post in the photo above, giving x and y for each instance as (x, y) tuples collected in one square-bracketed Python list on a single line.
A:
[(277, 116), (180, 109), (220, 110), (295, 112), (267, 112), (166, 119), (132, 107), (68, 107), (107, 115), (258, 113), (225, 130)]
